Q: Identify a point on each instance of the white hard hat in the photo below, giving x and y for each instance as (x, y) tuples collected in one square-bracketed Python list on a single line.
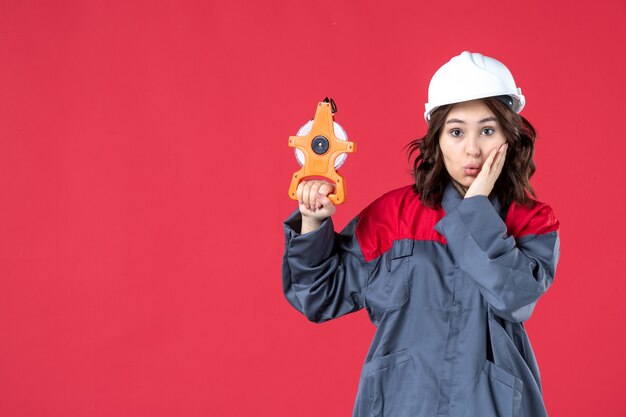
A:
[(471, 76)]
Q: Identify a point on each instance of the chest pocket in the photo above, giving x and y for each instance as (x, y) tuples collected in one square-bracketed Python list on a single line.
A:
[(396, 282), (388, 286)]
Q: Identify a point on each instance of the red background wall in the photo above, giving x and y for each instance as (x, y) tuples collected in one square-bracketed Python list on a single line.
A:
[(144, 170)]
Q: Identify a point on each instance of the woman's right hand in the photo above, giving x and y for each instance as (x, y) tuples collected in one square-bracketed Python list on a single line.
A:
[(314, 204)]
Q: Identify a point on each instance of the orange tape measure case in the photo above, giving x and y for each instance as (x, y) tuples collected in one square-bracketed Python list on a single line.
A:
[(321, 149)]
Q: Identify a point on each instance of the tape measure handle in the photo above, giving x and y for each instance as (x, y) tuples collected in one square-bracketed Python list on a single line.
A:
[(337, 197)]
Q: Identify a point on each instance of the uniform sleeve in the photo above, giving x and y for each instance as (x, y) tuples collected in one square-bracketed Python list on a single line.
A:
[(324, 273), (511, 274)]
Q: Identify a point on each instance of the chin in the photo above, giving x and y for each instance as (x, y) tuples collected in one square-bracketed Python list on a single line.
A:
[(466, 182)]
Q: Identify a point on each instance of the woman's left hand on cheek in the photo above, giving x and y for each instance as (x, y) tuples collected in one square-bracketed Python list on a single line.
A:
[(489, 173)]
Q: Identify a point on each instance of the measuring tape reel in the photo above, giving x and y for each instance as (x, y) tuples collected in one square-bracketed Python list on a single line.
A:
[(322, 147)]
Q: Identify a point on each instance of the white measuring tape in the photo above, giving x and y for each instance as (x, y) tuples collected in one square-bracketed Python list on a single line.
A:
[(339, 133)]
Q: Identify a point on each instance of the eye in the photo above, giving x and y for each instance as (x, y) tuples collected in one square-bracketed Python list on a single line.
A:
[(488, 131), (455, 133)]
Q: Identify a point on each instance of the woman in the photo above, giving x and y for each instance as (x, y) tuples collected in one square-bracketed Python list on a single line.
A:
[(448, 268)]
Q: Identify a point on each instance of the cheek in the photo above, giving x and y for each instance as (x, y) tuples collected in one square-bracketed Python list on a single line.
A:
[(450, 152), (444, 148), (500, 140), (491, 144), (450, 163)]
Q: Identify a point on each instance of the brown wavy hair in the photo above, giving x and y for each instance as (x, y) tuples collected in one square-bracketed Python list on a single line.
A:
[(513, 184)]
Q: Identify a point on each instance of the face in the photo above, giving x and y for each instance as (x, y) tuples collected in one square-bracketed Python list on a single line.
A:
[(471, 131)]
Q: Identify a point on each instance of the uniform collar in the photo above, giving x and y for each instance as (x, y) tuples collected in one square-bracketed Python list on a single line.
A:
[(452, 198)]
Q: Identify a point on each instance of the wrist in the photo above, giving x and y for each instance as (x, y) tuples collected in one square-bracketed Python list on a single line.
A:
[(310, 224), (471, 194)]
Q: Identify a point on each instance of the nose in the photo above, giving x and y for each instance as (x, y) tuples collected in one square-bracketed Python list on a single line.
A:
[(471, 146)]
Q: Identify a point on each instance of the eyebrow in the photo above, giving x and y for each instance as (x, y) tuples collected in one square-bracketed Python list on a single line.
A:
[(485, 120)]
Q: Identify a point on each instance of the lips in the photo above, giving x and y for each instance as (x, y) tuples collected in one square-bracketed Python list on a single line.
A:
[(471, 169)]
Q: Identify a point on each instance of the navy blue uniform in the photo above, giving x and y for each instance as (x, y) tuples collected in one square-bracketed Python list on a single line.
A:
[(447, 288)]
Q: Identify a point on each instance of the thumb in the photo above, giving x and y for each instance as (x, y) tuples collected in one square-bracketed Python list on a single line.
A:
[(322, 199), (324, 202)]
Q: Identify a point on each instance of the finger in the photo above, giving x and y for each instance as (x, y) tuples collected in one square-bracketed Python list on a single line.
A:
[(495, 158), (489, 161), (313, 194), (502, 149), (326, 204), (306, 190), (497, 164), (326, 188), (502, 156), (299, 192)]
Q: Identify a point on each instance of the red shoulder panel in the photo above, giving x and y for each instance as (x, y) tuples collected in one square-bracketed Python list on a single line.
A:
[(536, 220), (396, 215)]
